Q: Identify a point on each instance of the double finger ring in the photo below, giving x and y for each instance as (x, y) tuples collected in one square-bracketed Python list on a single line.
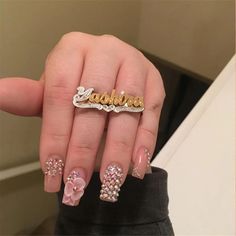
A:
[(87, 98)]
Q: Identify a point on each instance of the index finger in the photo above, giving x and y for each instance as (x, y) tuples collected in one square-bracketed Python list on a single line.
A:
[(62, 75)]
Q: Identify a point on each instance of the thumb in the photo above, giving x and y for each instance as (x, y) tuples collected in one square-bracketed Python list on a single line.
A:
[(21, 96)]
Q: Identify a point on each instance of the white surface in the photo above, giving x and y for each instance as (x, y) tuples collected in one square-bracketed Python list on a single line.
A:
[(200, 160)]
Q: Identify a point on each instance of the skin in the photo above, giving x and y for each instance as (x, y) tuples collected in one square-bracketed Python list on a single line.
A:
[(104, 63)]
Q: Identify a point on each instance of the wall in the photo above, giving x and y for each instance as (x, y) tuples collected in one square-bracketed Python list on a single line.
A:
[(196, 35), (28, 31), (200, 160)]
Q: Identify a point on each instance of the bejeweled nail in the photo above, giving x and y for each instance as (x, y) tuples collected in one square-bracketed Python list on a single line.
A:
[(53, 171), (111, 183), (74, 188), (141, 163), (54, 166)]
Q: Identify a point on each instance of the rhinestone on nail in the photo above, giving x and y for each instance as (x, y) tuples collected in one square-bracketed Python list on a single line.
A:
[(54, 167), (149, 157), (136, 173), (111, 183)]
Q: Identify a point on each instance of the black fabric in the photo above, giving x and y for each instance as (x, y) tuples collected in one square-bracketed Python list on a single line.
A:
[(141, 209)]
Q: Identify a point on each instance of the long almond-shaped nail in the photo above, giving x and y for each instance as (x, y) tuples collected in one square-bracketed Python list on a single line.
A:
[(53, 174), (141, 163), (74, 188), (111, 183)]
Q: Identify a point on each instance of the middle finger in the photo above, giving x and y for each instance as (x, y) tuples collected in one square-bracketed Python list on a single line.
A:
[(100, 71)]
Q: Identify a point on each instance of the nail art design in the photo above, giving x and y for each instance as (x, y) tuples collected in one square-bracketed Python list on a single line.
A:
[(74, 189), (148, 155), (142, 162), (111, 183), (54, 166), (135, 173)]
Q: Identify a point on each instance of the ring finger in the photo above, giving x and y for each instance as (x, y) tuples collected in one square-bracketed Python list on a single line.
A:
[(122, 129)]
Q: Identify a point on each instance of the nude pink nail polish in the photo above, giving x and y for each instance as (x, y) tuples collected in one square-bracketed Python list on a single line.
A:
[(141, 163)]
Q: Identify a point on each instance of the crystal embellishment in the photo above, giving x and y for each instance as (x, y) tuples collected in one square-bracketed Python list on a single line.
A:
[(149, 157), (111, 183), (74, 189), (54, 167)]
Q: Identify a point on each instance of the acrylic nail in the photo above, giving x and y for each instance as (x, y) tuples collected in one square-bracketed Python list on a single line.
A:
[(53, 174), (74, 188), (111, 183), (141, 163)]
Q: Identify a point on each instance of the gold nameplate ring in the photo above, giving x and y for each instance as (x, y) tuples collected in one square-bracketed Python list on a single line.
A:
[(87, 98)]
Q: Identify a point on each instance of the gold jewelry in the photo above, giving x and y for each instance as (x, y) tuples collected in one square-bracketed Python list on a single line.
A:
[(86, 98)]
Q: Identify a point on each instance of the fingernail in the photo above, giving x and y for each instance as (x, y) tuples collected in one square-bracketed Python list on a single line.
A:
[(141, 163), (111, 183), (53, 174), (74, 188)]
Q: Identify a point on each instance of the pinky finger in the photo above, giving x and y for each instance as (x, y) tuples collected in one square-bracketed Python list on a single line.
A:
[(148, 126)]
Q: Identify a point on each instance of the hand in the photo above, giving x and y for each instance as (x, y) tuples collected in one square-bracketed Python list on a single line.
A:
[(72, 136)]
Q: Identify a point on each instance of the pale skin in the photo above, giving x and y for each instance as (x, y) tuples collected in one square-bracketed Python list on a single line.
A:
[(104, 63)]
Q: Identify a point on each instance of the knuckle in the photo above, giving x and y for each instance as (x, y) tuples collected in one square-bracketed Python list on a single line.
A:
[(109, 38), (58, 94), (155, 105), (121, 145), (114, 43), (134, 88), (74, 41), (135, 53), (162, 92), (71, 41), (59, 138), (155, 108), (160, 95), (110, 42), (148, 132), (71, 37), (96, 72), (83, 148), (140, 54)]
